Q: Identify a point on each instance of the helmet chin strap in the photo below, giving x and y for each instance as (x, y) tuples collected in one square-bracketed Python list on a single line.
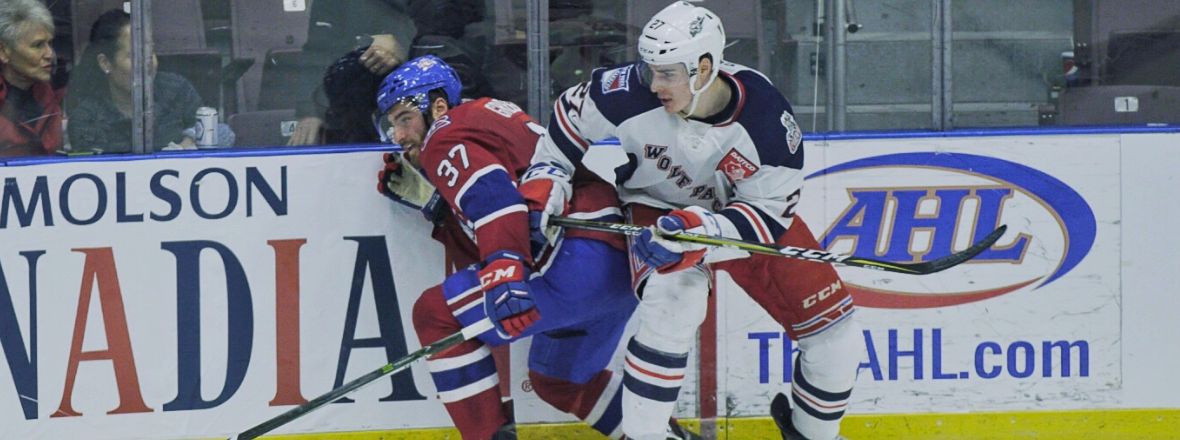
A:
[(696, 94)]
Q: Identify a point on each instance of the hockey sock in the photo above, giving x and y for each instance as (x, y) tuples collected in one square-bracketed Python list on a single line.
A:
[(672, 308), (825, 371), (651, 384), (465, 376), (597, 402)]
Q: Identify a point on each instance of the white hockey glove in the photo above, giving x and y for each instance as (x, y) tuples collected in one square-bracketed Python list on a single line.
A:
[(546, 189), (402, 183)]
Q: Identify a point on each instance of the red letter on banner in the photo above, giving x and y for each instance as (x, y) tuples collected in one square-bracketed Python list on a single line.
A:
[(287, 390), (100, 265)]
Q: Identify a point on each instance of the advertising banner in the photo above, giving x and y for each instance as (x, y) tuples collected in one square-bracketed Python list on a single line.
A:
[(195, 296), (189, 297), (1031, 323)]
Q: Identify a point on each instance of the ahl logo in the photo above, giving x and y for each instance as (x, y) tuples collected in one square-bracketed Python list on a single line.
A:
[(794, 134), (923, 222)]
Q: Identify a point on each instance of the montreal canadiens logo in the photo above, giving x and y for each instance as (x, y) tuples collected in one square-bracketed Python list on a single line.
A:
[(915, 207)]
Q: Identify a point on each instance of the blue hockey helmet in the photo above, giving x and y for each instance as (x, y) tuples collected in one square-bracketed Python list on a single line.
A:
[(413, 81)]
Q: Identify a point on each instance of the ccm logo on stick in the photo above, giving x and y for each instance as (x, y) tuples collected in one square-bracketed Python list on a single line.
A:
[(821, 295)]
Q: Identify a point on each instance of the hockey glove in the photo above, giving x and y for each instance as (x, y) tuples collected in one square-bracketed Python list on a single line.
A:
[(669, 256), (546, 190), (506, 299), (402, 183)]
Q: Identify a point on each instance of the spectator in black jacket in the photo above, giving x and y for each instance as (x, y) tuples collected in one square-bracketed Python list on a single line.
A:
[(336, 28), (99, 100)]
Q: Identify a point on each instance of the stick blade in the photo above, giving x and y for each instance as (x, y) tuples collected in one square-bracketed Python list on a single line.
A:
[(957, 258)]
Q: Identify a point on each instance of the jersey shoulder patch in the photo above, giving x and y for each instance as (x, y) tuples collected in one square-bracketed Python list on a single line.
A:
[(735, 166), (770, 122), (619, 95), (617, 79)]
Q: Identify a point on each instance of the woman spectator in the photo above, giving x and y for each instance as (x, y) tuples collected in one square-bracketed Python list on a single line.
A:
[(99, 102), (30, 110)]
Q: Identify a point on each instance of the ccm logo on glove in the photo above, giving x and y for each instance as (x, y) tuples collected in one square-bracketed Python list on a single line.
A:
[(499, 271)]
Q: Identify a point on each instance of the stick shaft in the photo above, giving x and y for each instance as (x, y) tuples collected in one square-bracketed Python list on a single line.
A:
[(815, 255), (439, 346)]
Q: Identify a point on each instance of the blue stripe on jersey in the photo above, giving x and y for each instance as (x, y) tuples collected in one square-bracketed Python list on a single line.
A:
[(492, 192), (557, 134), (776, 229), (649, 391), (762, 120), (655, 357), (612, 416), (743, 226), (746, 229), (621, 105), (466, 375)]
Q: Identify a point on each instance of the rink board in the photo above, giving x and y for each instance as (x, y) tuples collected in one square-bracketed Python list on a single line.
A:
[(1033, 323), (275, 264)]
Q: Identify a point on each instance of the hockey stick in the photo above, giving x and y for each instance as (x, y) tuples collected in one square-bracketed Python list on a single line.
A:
[(441, 345), (816, 255)]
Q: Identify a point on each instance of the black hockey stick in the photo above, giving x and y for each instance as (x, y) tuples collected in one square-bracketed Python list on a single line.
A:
[(441, 345), (820, 256)]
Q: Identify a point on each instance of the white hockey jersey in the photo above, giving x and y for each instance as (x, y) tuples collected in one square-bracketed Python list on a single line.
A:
[(745, 163)]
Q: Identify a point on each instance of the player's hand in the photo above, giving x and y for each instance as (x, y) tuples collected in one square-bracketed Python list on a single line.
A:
[(670, 256), (546, 190), (307, 131), (507, 300), (399, 181)]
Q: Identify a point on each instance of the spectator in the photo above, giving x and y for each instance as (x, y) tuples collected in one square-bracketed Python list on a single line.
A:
[(100, 105), (443, 32), (336, 28), (350, 88), (30, 110)]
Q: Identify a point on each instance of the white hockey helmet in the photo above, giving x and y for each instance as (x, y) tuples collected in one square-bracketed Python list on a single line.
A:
[(683, 33)]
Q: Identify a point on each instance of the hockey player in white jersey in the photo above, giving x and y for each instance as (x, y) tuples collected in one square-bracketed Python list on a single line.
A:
[(709, 147)]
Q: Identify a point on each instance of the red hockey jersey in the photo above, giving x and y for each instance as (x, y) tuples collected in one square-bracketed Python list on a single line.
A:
[(474, 155)]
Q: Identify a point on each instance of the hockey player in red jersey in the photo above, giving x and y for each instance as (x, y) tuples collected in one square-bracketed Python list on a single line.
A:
[(710, 147), (574, 303)]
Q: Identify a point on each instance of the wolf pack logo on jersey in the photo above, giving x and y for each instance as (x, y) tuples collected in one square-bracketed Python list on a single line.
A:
[(616, 79), (794, 134), (937, 203), (736, 167), (651, 151)]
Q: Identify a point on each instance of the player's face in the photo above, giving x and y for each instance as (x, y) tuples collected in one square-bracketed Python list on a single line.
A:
[(409, 127), (30, 58), (670, 83)]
